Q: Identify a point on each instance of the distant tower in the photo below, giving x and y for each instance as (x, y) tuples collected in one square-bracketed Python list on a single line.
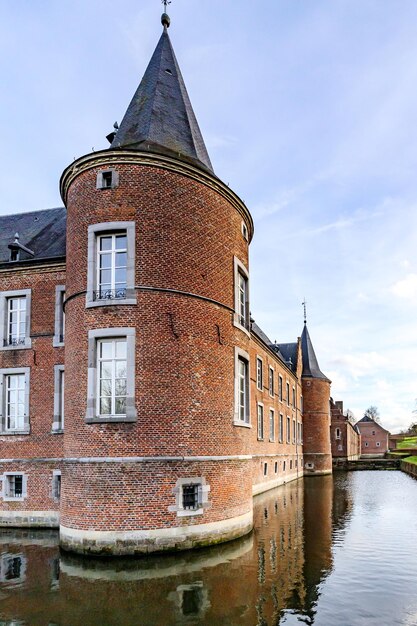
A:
[(316, 411), (154, 244)]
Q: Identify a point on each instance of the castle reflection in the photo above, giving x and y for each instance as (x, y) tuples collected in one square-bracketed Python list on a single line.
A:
[(274, 573)]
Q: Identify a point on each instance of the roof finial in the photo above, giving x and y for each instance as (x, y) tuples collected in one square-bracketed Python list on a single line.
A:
[(165, 19), (305, 310)]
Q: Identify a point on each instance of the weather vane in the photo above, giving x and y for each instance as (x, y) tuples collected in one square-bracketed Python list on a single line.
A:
[(166, 3), (305, 310)]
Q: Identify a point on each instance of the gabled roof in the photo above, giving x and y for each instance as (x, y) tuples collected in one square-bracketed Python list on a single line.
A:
[(43, 232), (367, 419), (283, 351), (311, 367), (160, 117)]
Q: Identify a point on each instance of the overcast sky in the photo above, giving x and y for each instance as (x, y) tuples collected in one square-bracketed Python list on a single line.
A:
[(308, 109)]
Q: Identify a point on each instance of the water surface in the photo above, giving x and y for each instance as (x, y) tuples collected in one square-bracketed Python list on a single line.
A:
[(329, 551)]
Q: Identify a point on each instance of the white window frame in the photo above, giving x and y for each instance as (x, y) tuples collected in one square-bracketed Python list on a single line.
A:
[(111, 228), (378, 444), (280, 387), (271, 425), (240, 269), (288, 393), (93, 337), (294, 398), (59, 331), (281, 428), (5, 296), (338, 433), (59, 393), (241, 355), (259, 373), (202, 494), (5, 484), (4, 373), (288, 429), (294, 430), (271, 381), (260, 415)]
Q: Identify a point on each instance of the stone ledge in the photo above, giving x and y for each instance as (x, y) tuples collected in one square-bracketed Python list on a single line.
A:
[(29, 519), (118, 543)]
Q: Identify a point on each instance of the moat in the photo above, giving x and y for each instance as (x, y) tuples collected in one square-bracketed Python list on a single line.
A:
[(329, 551)]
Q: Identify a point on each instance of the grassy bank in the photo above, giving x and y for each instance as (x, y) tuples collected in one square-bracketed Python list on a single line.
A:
[(411, 459), (407, 442)]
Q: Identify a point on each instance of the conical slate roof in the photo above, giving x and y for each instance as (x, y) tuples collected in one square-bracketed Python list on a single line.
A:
[(160, 117), (310, 364)]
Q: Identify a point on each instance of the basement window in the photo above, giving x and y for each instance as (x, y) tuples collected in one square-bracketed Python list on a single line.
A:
[(191, 495)]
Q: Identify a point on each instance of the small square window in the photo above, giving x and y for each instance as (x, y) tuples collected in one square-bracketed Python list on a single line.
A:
[(107, 179), (190, 497), (14, 486)]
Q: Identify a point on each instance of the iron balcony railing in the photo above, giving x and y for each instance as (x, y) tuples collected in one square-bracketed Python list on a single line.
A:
[(110, 294)]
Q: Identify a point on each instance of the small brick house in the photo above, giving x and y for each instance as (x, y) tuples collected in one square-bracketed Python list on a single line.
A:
[(141, 406), (345, 437), (374, 438)]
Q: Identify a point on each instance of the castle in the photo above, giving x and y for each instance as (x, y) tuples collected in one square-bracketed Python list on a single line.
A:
[(135, 299)]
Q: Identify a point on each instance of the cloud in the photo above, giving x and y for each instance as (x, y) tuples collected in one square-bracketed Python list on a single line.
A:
[(406, 287), (361, 364)]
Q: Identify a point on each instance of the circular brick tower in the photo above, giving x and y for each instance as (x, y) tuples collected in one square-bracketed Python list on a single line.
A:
[(156, 317), (316, 412)]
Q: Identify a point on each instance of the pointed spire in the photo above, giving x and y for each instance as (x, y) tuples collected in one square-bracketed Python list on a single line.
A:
[(311, 367), (160, 117)]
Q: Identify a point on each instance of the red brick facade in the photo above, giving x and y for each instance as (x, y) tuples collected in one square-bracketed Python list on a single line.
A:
[(374, 438), (346, 440)]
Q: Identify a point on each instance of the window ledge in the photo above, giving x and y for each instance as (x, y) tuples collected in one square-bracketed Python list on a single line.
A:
[(11, 499), (90, 304), (242, 328), (189, 513), (14, 433), (57, 344), (111, 419), (242, 424), (57, 431), (26, 346)]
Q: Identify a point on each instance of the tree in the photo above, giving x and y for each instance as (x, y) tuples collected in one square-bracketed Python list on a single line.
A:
[(373, 413), (412, 429)]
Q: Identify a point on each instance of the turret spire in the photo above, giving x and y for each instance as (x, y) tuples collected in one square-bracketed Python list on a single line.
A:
[(311, 367), (160, 117)]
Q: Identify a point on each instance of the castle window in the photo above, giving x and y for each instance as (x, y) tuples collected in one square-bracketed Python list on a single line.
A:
[(283, 466), (280, 388), (281, 428), (378, 444), (56, 485), (294, 398), (15, 309), (191, 496), (259, 374), (294, 431), (288, 394), (242, 413), (271, 425), (59, 334), (241, 317), (245, 231), (301, 404), (111, 375), (265, 469), (338, 433), (111, 264), (271, 382), (59, 380), (14, 486), (276, 467), (288, 430), (107, 179), (260, 421), (14, 401)]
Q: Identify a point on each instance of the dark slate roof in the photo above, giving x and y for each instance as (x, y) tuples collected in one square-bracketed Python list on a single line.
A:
[(43, 232), (368, 419), (289, 354), (160, 117), (256, 330), (311, 367)]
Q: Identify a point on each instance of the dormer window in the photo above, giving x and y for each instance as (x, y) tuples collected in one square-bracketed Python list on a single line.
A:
[(107, 179)]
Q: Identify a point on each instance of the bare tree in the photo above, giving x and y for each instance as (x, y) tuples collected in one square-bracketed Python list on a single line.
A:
[(351, 417), (373, 413)]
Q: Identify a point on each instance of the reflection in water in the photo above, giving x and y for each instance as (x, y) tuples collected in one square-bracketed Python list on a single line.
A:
[(290, 570)]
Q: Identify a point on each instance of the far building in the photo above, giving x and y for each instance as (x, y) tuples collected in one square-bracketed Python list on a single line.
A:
[(374, 438), (345, 437)]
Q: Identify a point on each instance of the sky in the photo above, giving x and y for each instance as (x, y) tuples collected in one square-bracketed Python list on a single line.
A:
[(308, 109)]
